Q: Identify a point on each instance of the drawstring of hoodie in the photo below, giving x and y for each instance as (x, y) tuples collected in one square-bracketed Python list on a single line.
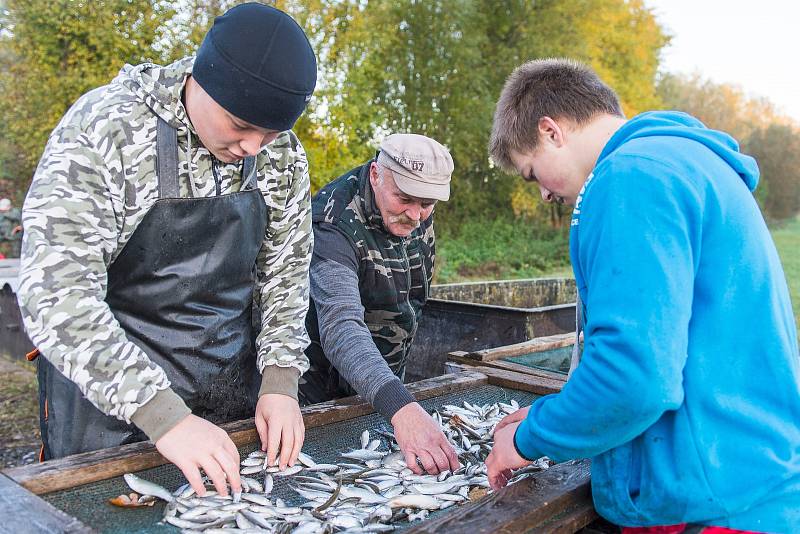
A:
[(192, 186)]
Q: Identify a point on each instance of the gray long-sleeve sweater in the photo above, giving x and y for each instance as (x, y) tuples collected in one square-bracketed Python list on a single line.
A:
[(344, 336)]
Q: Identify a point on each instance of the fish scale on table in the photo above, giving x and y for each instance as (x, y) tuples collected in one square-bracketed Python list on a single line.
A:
[(371, 490)]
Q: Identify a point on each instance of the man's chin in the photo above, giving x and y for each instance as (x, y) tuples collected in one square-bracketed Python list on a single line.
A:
[(227, 156), (402, 230)]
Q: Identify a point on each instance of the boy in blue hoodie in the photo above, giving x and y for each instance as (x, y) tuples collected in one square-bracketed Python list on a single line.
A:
[(686, 397)]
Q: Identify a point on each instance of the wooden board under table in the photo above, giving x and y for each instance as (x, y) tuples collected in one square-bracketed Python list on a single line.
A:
[(22, 511), (559, 494), (494, 358)]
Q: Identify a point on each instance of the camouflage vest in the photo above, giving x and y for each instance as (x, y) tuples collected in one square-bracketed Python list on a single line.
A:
[(394, 273)]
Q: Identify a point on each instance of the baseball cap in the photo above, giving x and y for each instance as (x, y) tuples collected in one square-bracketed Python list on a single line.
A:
[(421, 166)]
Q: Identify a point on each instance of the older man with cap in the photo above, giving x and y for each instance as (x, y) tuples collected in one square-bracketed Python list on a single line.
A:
[(166, 251), (370, 277)]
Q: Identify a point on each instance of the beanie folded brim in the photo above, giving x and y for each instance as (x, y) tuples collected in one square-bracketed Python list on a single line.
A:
[(245, 95)]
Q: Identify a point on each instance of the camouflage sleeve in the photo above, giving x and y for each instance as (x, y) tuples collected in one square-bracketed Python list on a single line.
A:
[(70, 218), (282, 290)]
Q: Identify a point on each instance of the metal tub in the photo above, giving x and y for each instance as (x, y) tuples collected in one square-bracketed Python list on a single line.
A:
[(14, 343), (478, 315)]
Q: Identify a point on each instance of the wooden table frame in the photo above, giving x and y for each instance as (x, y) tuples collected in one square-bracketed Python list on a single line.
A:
[(555, 500), (494, 358)]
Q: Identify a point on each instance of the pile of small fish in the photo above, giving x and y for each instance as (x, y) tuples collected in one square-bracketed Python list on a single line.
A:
[(368, 492)]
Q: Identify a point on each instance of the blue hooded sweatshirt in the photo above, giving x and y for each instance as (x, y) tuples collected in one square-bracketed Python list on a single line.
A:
[(687, 396)]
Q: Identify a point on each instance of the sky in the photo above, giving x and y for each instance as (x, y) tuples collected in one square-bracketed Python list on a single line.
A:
[(752, 44)]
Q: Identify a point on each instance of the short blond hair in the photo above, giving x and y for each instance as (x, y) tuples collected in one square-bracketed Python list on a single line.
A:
[(555, 88)]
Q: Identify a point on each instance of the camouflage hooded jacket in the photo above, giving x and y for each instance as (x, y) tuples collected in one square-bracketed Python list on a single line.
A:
[(93, 186)]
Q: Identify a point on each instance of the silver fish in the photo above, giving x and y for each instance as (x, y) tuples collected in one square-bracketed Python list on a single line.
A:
[(306, 460), (251, 470), (145, 487), (289, 471), (364, 454), (415, 501)]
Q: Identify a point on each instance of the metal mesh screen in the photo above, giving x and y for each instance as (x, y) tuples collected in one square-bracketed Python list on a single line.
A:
[(89, 503), (551, 360)]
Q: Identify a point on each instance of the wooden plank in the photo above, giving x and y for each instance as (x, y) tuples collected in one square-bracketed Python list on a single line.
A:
[(539, 344), (457, 357), (522, 381), (520, 507), (92, 466), (324, 413), (570, 521), (22, 511)]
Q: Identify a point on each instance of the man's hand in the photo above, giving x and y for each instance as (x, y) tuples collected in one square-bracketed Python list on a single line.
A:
[(194, 443), (515, 417), (504, 457), (419, 436), (280, 427)]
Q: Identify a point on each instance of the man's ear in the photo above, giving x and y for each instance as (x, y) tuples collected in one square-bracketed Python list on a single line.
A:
[(550, 131), (373, 174)]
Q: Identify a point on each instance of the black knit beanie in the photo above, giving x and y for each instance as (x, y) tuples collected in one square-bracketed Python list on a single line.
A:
[(257, 63)]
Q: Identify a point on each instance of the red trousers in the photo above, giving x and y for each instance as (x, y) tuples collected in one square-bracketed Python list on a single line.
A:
[(678, 529)]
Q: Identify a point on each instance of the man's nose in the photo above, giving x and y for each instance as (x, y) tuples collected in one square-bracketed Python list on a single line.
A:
[(252, 142), (414, 212), (547, 196)]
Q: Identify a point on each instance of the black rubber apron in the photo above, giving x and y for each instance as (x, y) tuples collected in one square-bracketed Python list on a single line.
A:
[(182, 289)]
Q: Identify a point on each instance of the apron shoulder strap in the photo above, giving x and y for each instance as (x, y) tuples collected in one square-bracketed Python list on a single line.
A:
[(248, 173), (167, 160)]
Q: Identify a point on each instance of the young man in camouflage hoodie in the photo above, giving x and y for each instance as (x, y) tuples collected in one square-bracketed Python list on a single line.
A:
[(170, 207), (370, 277)]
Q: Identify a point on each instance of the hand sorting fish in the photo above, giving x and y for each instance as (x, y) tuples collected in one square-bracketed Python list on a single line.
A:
[(370, 491)]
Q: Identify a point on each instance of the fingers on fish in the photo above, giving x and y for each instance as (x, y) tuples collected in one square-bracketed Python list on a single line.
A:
[(366, 491)]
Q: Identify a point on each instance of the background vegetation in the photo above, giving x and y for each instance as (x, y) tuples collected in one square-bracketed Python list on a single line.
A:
[(433, 67)]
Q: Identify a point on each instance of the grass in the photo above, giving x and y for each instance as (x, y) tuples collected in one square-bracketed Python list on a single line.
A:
[(509, 249), (501, 249), (787, 239), (19, 411)]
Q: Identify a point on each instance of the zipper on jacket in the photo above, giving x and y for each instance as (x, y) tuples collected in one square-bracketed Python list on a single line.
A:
[(404, 241), (217, 179)]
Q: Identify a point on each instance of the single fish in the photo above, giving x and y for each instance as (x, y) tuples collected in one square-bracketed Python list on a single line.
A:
[(415, 501), (306, 460), (145, 487), (251, 470), (289, 471), (323, 468), (363, 454)]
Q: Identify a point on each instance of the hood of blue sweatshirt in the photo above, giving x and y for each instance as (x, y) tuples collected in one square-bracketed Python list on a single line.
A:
[(679, 124)]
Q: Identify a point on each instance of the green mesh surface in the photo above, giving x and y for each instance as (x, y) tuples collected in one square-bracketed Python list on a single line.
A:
[(550, 360), (89, 503)]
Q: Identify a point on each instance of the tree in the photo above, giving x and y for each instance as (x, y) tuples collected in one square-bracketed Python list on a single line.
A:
[(777, 150), (719, 106), (51, 53), (436, 68), (431, 67)]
